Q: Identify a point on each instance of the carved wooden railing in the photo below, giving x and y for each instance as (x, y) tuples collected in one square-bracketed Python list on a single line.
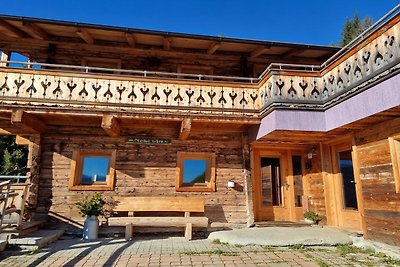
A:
[(374, 56), (350, 72), (69, 89)]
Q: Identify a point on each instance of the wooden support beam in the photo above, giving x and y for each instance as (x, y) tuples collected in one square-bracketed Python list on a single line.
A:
[(27, 122), (290, 53), (110, 125), (85, 35), (130, 38), (22, 140), (12, 30), (185, 129), (259, 51), (213, 47), (167, 43), (5, 56), (35, 31)]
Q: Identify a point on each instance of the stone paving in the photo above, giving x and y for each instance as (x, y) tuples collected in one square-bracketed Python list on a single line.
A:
[(176, 251)]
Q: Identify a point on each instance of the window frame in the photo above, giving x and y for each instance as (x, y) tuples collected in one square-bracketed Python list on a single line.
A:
[(209, 157), (394, 145), (75, 179)]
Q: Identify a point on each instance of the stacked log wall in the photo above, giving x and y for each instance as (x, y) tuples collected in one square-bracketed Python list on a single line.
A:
[(381, 202), (143, 170)]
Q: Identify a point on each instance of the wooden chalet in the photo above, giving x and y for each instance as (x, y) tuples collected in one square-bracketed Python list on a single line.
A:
[(259, 130)]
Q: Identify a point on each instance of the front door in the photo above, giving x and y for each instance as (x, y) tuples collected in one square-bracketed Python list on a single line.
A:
[(347, 212), (273, 186)]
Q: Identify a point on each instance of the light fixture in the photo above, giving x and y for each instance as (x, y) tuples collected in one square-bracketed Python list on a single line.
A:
[(231, 184)]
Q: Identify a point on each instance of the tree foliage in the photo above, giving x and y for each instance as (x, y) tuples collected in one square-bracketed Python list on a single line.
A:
[(13, 158), (354, 27)]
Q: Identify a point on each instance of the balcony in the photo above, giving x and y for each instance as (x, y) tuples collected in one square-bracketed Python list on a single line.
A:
[(371, 58)]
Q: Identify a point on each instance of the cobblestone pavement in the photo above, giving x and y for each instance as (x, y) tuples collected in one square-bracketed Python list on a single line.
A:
[(176, 251)]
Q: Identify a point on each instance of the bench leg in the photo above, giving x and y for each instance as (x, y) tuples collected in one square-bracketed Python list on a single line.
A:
[(188, 231), (128, 231)]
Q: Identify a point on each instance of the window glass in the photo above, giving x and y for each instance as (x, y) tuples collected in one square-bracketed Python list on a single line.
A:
[(194, 171), (95, 169), (298, 180), (348, 182)]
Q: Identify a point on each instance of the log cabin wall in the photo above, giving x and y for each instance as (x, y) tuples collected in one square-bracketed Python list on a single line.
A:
[(381, 202), (142, 170), (313, 184)]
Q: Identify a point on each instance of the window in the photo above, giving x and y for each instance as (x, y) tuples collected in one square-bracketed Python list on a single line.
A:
[(195, 171), (345, 164), (92, 170), (297, 169), (394, 143)]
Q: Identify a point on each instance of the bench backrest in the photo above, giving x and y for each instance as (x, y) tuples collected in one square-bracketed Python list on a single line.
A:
[(183, 204)]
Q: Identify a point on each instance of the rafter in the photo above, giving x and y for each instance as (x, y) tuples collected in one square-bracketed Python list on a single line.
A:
[(14, 31), (130, 38), (259, 51), (111, 125), (35, 31), (213, 47), (85, 35), (27, 122), (167, 43), (186, 126), (290, 52)]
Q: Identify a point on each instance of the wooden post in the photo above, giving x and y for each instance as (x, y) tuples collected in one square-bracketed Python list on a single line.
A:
[(248, 188), (34, 174), (128, 231), (5, 56), (188, 231)]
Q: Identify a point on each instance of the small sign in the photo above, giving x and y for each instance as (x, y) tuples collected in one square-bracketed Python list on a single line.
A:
[(149, 141)]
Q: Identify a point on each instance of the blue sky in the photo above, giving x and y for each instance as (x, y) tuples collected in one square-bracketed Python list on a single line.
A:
[(301, 21)]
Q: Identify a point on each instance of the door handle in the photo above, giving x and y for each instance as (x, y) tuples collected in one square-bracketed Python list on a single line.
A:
[(287, 186)]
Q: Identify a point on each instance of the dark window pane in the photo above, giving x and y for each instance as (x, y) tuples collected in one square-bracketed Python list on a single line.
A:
[(95, 169), (194, 171), (271, 182), (349, 188), (298, 180)]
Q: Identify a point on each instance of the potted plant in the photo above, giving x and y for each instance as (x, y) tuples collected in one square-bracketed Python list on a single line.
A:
[(311, 217), (92, 207)]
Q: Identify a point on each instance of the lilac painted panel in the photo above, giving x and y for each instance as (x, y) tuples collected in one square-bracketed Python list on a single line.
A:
[(376, 99)]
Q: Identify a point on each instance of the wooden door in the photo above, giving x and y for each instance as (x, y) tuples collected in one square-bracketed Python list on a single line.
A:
[(345, 189), (271, 194)]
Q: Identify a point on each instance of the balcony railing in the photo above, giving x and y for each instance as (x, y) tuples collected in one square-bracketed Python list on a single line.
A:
[(372, 57)]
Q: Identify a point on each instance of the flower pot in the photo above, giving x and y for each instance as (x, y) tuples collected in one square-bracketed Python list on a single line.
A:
[(91, 228)]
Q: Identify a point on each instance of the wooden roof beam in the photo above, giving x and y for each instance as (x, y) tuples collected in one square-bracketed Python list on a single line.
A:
[(12, 30), (85, 35), (130, 38), (290, 53), (213, 47), (27, 122), (185, 129), (259, 51), (111, 125), (35, 31), (167, 43)]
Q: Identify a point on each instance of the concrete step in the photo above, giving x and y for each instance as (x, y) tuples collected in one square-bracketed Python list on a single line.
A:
[(37, 239), (281, 224)]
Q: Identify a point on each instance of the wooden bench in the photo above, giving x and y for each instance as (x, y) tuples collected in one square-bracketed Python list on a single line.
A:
[(186, 205)]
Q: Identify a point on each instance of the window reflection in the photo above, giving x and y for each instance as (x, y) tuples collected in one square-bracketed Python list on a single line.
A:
[(194, 171), (95, 169)]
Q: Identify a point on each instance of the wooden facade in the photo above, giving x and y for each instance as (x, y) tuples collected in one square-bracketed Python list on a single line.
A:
[(292, 127)]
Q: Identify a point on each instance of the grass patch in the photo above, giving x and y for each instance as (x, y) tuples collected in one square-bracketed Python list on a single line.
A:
[(211, 252), (269, 248), (218, 242)]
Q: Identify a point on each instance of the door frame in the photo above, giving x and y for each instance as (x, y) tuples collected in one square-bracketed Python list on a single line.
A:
[(288, 211), (342, 216)]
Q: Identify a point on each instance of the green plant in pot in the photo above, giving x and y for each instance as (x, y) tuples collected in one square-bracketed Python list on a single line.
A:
[(92, 207), (312, 217)]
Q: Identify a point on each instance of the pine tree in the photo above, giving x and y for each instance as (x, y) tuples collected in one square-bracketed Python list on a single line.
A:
[(354, 27), (13, 158)]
